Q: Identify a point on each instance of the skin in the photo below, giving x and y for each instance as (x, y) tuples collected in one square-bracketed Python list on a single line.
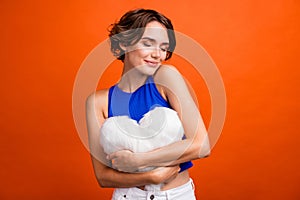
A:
[(141, 60)]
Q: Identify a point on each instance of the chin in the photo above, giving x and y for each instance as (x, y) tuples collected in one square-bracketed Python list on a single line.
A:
[(149, 71)]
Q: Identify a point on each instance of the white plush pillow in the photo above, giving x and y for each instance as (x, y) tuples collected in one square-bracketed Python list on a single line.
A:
[(159, 127)]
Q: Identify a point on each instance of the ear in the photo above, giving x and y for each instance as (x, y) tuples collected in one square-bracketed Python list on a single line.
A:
[(123, 47)]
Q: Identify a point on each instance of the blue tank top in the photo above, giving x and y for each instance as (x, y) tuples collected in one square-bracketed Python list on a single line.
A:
[(138, 103)]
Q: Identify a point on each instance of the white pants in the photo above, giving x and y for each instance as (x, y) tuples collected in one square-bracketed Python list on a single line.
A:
[(152, 192)]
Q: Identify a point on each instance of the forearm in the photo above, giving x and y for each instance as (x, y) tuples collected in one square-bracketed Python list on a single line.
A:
[(115, 179), (108, 177), (176, 153)]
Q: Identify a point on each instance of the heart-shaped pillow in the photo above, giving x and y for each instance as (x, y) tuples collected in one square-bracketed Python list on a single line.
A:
[(159, 127)]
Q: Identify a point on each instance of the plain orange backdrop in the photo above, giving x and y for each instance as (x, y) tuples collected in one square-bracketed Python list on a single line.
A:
[(255, 45)]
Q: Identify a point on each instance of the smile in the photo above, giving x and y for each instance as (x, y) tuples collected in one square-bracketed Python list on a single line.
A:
[(152, 63)]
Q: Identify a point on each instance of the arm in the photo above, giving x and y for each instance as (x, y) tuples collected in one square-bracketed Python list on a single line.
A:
[(196, 145), (106, 176)]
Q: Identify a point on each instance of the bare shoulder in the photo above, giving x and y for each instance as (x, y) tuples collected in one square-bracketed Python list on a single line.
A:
[(97, 97), (98, 101), (167, 70), (168, 76)]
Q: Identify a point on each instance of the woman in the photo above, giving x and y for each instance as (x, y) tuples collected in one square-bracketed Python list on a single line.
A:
[(142, 40)]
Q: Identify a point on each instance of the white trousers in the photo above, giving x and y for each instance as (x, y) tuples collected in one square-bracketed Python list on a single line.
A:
[(152, 192)]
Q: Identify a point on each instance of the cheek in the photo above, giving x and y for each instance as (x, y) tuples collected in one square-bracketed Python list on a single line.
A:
[(136, 56), (142, 52)]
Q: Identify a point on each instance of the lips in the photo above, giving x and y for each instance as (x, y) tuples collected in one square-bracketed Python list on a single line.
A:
[(152, 63)]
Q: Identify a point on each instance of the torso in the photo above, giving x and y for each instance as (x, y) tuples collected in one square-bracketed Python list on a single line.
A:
[(182, 177)]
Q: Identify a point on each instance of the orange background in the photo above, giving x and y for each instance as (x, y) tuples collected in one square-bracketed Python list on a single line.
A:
[(255, 45)]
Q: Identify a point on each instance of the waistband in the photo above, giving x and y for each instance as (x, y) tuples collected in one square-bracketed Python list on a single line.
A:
[(154, 190)]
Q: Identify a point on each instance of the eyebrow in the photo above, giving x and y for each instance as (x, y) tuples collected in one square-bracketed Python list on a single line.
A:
[(153, 40)]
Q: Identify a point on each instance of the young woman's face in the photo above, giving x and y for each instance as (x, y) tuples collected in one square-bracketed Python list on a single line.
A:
[(149, 52)]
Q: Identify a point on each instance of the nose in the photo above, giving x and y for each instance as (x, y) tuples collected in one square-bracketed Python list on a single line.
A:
[(156, 52)]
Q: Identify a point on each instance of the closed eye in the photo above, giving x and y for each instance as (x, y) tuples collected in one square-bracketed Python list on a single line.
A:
[(147, 44), (165, 48)]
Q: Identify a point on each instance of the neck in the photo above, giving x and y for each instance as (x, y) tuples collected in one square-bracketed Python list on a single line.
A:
[(131, 79)]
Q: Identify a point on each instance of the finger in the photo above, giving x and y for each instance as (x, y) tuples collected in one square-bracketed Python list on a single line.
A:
[(111, 156), (114, 165)]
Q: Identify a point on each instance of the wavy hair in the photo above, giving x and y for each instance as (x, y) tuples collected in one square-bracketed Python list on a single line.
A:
[(130, 28)]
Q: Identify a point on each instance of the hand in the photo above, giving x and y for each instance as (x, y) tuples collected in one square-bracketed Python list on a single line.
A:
[(124, 160), (164, 174)]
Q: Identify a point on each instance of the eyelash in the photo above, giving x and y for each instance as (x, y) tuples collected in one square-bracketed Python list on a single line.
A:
[(146, 44), (149, 45)]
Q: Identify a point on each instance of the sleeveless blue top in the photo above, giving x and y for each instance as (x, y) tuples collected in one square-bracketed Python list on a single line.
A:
[(138, 103)]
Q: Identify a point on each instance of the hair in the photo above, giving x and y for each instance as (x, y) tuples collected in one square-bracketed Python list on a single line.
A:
[(130, 28)]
